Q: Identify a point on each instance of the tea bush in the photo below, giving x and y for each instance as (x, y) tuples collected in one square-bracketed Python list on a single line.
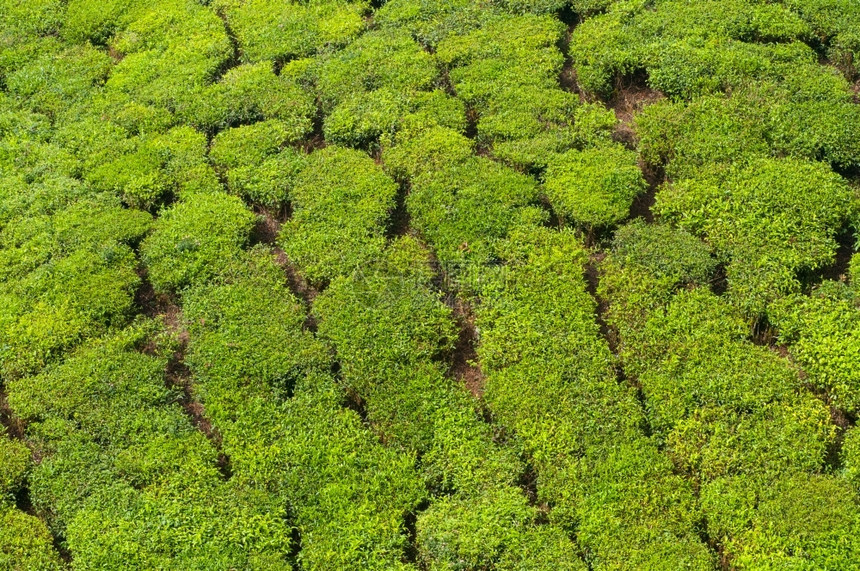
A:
[(362, 120), (433, 21), (341, 200), (193, 238), (835, 23), (154, 168), (383, 59), (714, 130), (169, 49), (736, 417), (465, 209), (799, 521), (257, 162), (248, 93), (822, 332), (413, 406), (687, 48), (280, 418), (25, 542), (546, 364), (595, 187), (125, 477), (278, 31), (53, 81), (429, 369), (769, 218), (66, 276), (507, 71), (16, 462)]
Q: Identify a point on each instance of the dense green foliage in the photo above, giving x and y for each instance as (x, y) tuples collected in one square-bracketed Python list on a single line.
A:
[(126, 478), (768, 219), (341, 199), (266, 384), (256, 162), (387, 325), (824, 333), (594, 187), (193, 238), (736, 417), (551, 378), (450, 285)]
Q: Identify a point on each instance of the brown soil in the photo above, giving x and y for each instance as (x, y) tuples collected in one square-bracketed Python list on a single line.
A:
[(529, 484), (296, 282), (720, 281), (268, 226), (592, 279), (838, 270), (642, 204), (236, 55), (763, 333), (471, 123), (725, 559), (843, 423), (14, 426), (445, 81), (314, 143), (782, 351), (568, 81), (266, 232), (158, 305), (631, 94), (654, 175), (115, 55), (162, 307), (178, 375), (464, 360), (840, 418), (355, 403)]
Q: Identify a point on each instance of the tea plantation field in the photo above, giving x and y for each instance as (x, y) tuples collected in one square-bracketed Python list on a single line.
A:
[(429, 285)]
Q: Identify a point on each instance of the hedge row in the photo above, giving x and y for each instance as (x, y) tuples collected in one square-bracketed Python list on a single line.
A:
[(257, 163), (462, 204), (822, 332), (68, 271), (25, 542), (391, 331), (124, 477), (782, 101), (266, 386), (341, 200), (551, 378), (768, 219), (692, 48), (740, 174), (507, 72), (193, 238), (118, 112), (379, 84), (735, 418), (751, 106), (280, 31), (836, 23)]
